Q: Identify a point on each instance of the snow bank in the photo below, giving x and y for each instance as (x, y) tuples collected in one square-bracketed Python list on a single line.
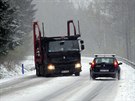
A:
[(28, 66)]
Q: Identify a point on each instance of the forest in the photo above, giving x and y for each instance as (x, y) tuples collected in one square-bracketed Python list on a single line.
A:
[(16, 17), (107, 26)]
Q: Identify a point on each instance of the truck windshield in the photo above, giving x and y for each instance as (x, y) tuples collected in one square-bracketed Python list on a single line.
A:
[(65, 45)]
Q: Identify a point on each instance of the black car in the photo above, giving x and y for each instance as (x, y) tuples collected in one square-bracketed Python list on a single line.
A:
[(105, 66)]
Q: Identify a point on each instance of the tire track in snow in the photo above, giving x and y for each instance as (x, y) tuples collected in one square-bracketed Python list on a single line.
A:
[(16, 81), (68, 89), (25, 83), (105, 91)]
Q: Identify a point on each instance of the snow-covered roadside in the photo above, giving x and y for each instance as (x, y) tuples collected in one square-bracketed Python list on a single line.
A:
[(28, 66), (126, 86)]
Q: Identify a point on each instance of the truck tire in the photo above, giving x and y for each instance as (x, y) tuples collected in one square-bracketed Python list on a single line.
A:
[(38, 73), (38, 70), (77, 74)]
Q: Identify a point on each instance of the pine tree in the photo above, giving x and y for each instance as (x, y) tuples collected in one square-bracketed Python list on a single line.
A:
[(16, 18), (6, 28), (24, 15)]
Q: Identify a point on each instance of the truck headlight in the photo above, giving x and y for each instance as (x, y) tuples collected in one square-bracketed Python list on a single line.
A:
[(51, 67), (77, 65)]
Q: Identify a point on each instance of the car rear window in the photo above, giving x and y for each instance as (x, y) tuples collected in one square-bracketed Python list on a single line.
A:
[(104, 60)]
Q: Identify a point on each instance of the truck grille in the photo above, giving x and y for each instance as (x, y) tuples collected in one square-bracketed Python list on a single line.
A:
[(64, 59)]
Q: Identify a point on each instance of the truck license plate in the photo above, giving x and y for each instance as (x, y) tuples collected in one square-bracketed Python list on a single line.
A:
[(65, 71)]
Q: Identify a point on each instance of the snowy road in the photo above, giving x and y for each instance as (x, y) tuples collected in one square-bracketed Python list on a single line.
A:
[(70, 88)]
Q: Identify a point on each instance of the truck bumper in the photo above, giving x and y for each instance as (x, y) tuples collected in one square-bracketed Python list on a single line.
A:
[(62, 69)]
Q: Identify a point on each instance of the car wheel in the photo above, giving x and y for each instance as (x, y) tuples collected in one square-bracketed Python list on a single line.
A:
[(117, 76), (92, 77)]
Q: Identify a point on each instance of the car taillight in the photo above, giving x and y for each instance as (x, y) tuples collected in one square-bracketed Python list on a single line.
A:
[(115, 64), (93, 64)]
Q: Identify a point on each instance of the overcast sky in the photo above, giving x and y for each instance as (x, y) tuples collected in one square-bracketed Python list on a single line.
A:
[(40, 6)]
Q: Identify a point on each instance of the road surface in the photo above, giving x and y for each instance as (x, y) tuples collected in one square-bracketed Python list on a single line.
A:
[(70, 88)]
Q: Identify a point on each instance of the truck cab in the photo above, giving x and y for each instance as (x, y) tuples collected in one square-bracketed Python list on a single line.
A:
[(58, 55)]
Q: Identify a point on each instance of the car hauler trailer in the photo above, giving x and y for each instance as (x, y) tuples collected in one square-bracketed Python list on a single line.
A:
[(57, 55)]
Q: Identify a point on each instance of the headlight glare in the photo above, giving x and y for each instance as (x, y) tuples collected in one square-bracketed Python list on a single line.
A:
[(77, 65), (51, 67)]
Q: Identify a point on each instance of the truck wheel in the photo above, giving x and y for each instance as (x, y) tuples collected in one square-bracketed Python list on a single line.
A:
[(38, 73), (77, 74), (38, 70)]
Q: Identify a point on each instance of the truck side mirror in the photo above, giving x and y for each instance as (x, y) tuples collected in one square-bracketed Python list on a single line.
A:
[(82, 47)]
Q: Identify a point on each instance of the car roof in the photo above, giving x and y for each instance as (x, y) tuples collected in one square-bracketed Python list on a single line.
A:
[(104, 55)]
